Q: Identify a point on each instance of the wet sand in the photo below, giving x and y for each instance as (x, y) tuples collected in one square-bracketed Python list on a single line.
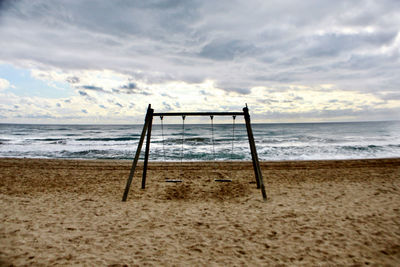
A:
[(69, 212)]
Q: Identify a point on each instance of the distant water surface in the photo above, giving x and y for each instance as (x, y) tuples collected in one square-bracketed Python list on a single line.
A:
[(305, 141)]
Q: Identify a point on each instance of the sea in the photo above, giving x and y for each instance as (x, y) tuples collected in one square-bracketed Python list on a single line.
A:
[(203, 142)]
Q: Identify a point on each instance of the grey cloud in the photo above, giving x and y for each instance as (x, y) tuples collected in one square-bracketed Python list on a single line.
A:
[(391, 96), (226, 49), (84, 111), (167, 107), (129, 86), (238, 44), (5, 5), (91, 87), (204, 92), (333, 44), (73, 79), (166, 95), (87, 97), (336, 114), (36, 116), (102, 106), (242, 91), (267, 101), (119, 105), (364, 62)]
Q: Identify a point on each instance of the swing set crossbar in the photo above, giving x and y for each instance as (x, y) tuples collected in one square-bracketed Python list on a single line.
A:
[(147, 130), (171, 114)]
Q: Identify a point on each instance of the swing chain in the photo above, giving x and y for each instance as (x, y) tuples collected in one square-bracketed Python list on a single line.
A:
[(162, 133), (233, 134), (212, 135), (183, 136)]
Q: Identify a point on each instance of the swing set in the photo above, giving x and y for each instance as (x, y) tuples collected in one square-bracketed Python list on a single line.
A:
[(147, 129)]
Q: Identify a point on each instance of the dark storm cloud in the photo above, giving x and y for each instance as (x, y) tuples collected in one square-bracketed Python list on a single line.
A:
[(5, 5)]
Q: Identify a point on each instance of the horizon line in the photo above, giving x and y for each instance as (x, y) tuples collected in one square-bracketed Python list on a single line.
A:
[(114, 124)]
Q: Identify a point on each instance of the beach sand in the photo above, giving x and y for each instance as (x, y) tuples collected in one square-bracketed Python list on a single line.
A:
[(69, 212)]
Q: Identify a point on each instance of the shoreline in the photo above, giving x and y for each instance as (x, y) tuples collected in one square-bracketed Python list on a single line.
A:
[(200, 161), (69, 212)]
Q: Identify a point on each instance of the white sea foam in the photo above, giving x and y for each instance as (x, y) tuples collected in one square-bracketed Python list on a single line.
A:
[(273, 141)]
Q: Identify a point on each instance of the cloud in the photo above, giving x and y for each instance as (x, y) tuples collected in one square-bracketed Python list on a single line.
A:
[(4, 84), (226, 49), (73, 79), (243, 91), (333, 44), (129, 86), (155, 51), (91, 87), (167, 106)]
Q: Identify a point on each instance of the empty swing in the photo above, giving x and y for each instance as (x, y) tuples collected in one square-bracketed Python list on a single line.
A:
[(213, 148), (183, 139)]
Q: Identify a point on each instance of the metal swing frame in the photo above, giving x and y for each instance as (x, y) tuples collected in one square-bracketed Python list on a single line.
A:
[(148, 122)]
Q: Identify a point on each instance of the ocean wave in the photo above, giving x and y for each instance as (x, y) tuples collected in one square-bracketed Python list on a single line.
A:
[(107, 139), (273, 142)]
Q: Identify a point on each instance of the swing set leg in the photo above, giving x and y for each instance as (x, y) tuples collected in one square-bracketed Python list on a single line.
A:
[(254, 157), (146, 157), (139, 148)]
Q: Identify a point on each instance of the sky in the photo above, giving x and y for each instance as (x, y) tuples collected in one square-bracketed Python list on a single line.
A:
[(100, 61)]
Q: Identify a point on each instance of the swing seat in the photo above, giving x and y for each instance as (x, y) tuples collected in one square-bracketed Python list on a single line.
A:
[(173, 181), (223, 180)]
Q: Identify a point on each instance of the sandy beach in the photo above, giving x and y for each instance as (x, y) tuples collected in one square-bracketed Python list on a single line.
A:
[(69, 212)]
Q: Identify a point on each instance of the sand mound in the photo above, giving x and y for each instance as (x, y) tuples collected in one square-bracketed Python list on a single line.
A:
[(221, 191)]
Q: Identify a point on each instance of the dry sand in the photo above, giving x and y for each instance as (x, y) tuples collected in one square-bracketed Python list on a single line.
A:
[(69, 212)]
